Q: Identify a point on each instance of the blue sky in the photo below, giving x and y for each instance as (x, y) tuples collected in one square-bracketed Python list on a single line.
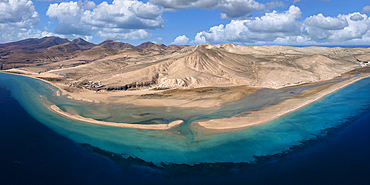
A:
[(248, 22)]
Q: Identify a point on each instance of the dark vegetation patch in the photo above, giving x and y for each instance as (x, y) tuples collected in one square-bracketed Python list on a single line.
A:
[(51, 79)]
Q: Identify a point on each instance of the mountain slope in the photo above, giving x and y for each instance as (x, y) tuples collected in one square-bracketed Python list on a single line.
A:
[(71, 47), (121, 66), (159, 48), (263, 66), (33, 43)]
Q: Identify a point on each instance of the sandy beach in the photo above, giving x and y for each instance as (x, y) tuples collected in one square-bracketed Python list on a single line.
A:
[(187, 98), (57, 110), (298, 101)]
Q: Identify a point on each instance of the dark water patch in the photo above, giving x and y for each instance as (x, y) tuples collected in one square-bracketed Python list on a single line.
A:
[(32, 154), (335, 158), (156, 121), (78, 109), (338, 156), (146, 114)]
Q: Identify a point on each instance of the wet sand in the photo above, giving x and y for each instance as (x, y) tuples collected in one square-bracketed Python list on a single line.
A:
[(213, 97), (237, 122), (186, 98), (270, 113), (57, 110)]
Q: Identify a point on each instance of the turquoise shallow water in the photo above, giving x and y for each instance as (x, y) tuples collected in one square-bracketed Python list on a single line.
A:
[(184, 145)]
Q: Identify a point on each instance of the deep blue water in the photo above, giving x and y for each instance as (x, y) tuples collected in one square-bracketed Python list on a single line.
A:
[(31, 153)]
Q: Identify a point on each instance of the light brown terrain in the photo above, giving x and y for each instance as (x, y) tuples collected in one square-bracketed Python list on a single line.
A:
[(191, 76)]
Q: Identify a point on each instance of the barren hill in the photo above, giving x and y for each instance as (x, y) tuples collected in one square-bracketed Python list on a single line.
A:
[(228, 65), (71, 47), (33, 43), (121, 66), (149, 47), (33, 52), (55, 52)]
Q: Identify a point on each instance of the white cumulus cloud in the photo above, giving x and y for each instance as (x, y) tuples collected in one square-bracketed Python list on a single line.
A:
[(181, 40), (276, 22), (285, 28), (340, 29), (17, 18), (131, 14), (183, 4), (230, 8), (366, 9), (326, 23), (266, 28), (69, 16), (90, 5), (356, 17), (123, 34), (238, 8), (121, 20)]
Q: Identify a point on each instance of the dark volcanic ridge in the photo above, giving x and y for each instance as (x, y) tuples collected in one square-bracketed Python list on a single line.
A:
[(36, 52)]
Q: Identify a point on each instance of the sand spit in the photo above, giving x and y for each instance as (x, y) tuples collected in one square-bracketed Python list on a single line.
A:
[(237, 122), (298, 101), (126, 125), (57, 110)]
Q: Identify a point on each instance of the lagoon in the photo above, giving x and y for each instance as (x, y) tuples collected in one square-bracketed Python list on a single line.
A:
[(311, 125)]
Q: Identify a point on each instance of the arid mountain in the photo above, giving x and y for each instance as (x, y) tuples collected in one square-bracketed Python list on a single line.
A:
[(82, 43), (31, 52), (146, 45), (28, 52), (33, 44), (71, 47), (57, 52), (121, 66), (225, 65), (159, 48), (114, 46)]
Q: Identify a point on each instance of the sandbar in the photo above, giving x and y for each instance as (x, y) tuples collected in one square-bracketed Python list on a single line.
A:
[(270, 113), (267, 114)]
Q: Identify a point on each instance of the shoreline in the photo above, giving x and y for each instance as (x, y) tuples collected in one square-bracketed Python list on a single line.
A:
[(225, 124), (57, 110), (273, 112), (139, 97)]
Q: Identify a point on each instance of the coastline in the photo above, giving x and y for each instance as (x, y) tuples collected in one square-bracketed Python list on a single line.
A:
[(270, 113), (273, 112), (57, 110), (150, 98)]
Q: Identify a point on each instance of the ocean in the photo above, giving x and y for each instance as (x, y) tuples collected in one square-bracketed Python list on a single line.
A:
[(326, 142)]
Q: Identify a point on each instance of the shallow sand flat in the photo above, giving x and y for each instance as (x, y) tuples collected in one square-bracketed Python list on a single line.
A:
[(134, 97), (237, 122), (185, 98), (272, 112)]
